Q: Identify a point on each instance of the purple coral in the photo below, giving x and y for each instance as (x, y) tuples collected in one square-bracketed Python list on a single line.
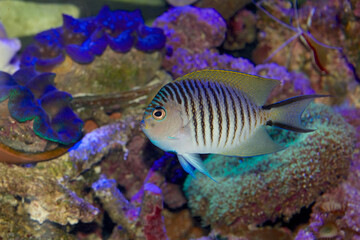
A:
[(32, 96), (192, 28), (84, 39)]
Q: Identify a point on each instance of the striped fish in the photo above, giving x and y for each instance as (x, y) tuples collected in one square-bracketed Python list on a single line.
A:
[(219, 112)]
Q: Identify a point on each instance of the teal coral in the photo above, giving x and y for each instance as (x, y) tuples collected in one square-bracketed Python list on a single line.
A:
[(285, 181)]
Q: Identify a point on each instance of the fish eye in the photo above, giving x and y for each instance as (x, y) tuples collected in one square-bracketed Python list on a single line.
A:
[(159, 113)]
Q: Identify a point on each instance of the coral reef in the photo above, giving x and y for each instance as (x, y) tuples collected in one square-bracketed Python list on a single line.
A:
[(8, 49), (30, 103), (113, 183), (287, 180)]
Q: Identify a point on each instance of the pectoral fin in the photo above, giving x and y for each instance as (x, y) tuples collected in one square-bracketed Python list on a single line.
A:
[(259, 143), (188, 161)]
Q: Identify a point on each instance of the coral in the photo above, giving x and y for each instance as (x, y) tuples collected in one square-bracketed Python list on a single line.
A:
[(32, 96), (84, 39), (192, 28), (287, 180), (336, 213), (241, 30), (145, 221), (8, 49)]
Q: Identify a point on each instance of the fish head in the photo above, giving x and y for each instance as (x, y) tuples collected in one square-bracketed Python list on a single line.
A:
[(161, 123)]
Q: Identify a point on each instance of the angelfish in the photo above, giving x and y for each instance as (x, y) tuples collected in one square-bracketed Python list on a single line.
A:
[(219, 112)]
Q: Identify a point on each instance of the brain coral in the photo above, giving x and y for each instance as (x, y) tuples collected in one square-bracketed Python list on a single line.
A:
[(262, 188), (83, 39)]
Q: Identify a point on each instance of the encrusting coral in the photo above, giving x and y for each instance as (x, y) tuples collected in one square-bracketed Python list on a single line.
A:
[(336, 214), (287, 180)]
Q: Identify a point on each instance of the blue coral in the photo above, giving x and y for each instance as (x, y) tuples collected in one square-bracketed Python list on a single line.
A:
[(84, 39), (32, 96)]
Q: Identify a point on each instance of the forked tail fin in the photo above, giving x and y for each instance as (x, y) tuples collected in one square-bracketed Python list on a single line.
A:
[(286, 114)]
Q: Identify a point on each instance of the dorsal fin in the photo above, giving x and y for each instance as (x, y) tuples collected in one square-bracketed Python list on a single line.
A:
[(255, 87)]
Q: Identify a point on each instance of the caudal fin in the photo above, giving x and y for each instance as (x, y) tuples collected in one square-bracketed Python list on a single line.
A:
[(286, 114)]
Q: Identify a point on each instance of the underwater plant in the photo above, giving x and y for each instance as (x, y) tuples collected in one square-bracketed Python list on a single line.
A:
[(28, 96), (84, 39)]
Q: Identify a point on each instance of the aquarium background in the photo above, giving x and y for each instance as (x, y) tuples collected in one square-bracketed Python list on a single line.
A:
[(76, 77)]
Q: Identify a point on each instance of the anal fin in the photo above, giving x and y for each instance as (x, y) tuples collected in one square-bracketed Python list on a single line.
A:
[(259, 143)]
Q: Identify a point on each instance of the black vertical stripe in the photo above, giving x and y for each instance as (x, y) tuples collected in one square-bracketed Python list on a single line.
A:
[(227, 131), (199, 86), (162, 95), (255, 113), (218, 110), (176, 92), (183, 96), (234, 111), (241, 113), (247, 103), (166, 95), (211, 114), (191, 93), (168, 90)]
